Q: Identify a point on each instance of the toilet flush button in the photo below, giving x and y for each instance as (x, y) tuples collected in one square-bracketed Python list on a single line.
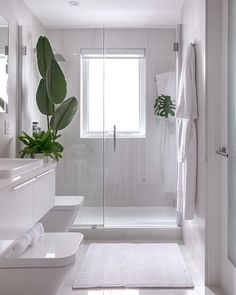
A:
[(7, 127)]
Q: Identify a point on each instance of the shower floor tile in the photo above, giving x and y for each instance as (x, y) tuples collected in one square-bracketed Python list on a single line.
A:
[(115, 216)]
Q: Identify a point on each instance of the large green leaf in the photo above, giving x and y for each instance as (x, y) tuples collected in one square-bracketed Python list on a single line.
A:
[(3, 105), (64, 114), (45, 105), (44, 55), (56, 83), (164, 106)]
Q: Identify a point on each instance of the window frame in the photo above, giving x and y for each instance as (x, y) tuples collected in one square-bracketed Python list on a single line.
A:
[(87, 54)]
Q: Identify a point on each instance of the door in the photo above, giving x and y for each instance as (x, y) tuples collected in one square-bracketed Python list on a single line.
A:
[(80, 172), (228, 139), (134, 138)]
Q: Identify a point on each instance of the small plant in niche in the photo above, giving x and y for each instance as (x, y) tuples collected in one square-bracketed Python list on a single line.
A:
[(164, 107), (50, 98), (44, 142)]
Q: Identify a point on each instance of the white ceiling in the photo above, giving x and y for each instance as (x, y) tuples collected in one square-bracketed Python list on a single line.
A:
[(110, 13)]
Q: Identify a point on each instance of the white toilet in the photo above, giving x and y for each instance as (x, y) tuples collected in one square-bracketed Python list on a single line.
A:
[(33, 262), (61, 217), (42, 268)]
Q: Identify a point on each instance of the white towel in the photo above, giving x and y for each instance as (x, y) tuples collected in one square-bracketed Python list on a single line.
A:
[(19, 247), (41, 228), (36, 233), (29, 239), (186, 114)]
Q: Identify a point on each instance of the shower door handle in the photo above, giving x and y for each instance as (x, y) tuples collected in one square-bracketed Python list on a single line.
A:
[(114, 138)]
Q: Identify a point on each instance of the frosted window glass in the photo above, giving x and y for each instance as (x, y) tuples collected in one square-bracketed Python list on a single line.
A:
[(113, 95), (95, 95), (122, 95)]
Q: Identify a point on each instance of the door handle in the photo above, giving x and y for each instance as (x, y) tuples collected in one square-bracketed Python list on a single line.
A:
[(222, 151), (114, 138), (44, 173), (24, 184)]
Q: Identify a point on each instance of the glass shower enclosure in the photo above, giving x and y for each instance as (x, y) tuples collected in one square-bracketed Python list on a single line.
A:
[(118, 154)]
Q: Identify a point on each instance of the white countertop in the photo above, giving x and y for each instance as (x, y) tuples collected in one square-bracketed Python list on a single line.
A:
[(8, 183)]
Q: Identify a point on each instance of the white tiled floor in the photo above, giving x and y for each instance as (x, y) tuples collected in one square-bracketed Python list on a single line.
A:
[(199, 288)]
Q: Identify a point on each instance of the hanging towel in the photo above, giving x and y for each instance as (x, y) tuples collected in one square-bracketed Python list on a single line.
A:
[(186, 115), (166, 85)]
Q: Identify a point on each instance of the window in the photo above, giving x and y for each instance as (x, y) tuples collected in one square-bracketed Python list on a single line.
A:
[(113, 93)]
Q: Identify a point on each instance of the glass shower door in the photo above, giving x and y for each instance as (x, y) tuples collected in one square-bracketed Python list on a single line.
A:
[(124, 125), (80, 172), (134, 190)]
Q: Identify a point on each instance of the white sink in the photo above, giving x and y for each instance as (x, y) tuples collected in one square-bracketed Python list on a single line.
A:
[(16, 167)]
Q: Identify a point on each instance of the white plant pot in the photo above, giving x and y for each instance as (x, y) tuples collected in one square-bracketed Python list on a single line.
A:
[(46, 160)]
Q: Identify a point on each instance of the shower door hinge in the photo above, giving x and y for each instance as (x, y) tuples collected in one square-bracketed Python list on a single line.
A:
[(6, 49), (176, 46), (94, 226)]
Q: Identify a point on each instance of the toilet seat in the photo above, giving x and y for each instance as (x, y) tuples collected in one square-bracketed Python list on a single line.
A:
[(67, 203), (52, 250)]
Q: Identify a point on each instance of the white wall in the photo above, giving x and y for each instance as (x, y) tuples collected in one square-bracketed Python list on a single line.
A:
[(133, 175), (17, 14), (193, 30)]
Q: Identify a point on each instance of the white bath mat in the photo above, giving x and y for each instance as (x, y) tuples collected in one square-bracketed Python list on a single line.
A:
[(133, 265)]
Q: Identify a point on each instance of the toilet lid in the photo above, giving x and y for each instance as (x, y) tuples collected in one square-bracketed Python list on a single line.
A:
[(67, 203), (52, 250)]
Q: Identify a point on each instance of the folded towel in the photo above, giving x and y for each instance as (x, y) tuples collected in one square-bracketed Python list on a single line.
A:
[(19, 247), (22, 244), (29, 239), (41, 228), (36, 233)]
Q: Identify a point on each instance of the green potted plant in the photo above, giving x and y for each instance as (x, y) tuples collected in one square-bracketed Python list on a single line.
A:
[(52, 102)]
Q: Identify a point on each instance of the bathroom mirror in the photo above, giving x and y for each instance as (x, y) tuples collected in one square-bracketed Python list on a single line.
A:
[(4, 60)]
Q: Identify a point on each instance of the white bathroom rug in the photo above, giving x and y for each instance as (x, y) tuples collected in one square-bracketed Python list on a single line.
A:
[(133, 265)]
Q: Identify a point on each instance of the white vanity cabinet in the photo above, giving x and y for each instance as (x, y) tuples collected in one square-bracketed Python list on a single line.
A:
[(43, 193), (24, 202), (16, 209)]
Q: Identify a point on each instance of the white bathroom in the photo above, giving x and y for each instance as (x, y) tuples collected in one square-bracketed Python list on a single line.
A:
[(117, 146)]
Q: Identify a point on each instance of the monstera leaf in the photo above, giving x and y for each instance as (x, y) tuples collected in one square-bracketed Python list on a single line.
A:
[(44, 55), (64, 114), (45, 105), (56, 83), (164, 106)]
